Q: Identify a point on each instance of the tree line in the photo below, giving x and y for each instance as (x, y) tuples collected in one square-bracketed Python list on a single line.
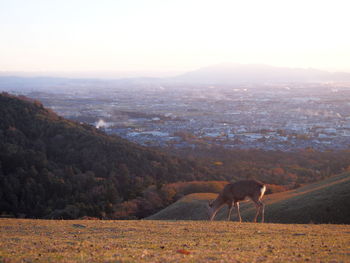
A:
[(55, 168)]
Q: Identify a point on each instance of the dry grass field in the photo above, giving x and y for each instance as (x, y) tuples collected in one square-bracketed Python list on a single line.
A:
[(170, 241)]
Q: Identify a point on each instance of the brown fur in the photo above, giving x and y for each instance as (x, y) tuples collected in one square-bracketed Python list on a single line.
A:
[(233, 193)]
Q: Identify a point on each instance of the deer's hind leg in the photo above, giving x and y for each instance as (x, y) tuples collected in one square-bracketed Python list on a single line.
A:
[(260, 209), (236, 204)]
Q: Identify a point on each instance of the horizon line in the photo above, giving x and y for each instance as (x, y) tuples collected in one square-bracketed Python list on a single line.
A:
[(152, 73)]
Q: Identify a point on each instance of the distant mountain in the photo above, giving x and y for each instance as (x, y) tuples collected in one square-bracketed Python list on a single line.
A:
[(327, 201), (225, 73), (56, 168), (229, 73)]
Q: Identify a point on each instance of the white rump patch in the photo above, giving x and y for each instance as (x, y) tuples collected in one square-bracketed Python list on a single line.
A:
[(262, 191)]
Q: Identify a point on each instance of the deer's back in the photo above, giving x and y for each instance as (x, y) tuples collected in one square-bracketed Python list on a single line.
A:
[(238, 191)]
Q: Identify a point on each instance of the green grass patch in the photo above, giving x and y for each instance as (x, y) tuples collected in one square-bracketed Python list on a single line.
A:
[(327, 201)]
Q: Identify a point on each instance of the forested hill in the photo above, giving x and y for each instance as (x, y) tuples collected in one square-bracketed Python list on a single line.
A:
[(51, 167)]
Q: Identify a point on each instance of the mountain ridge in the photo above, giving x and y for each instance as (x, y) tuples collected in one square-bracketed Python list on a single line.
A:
[(229, 73), (223, 73)]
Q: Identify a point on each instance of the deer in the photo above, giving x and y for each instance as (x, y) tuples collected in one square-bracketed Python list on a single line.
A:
[(235, 192)]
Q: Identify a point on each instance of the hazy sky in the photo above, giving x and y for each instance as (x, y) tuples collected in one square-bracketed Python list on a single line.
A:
[(172, 35)]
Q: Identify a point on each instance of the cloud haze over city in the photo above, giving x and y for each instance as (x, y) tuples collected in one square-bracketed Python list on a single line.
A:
[(166, 37)]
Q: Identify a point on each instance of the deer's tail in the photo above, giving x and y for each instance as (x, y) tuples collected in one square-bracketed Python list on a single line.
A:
[(262, 191)]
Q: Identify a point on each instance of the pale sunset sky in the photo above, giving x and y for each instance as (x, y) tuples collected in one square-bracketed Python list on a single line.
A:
[(172, 35)]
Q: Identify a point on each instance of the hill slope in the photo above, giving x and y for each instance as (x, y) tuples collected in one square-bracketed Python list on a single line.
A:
[(327, 201), (52, 167)]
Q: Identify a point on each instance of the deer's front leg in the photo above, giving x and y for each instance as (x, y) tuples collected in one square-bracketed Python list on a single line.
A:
[(229, 211)]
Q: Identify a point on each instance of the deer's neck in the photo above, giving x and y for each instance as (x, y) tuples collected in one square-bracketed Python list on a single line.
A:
[(218, 202)]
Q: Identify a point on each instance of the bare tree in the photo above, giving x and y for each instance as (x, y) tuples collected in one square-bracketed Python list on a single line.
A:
[(233, 193)]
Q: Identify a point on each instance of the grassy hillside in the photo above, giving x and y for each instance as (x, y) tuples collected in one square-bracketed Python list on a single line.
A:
[(164, 241), (327, 201)]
